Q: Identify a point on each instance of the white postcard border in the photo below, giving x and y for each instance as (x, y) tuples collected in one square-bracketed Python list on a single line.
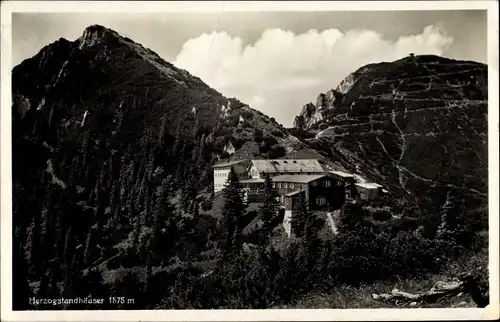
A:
[(7, 7)]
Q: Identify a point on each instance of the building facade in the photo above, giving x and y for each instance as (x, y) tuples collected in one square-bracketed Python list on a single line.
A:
[(368, 190), (291, 175), (221, 172), (323, 189)]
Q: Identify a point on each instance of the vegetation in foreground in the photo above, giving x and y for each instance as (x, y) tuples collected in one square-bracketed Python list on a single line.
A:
[(166, 262)]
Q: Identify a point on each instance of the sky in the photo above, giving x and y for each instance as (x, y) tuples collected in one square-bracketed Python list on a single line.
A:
[(274, 61)]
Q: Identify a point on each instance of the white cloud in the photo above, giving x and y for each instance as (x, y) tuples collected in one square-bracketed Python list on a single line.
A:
[(282, 71)]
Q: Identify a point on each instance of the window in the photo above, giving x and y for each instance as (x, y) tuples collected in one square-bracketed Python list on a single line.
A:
[(285, 185), (327, 183), (274, 185), (339, 183), (314, 183), (291, 186), (320, 200), (279, 185)]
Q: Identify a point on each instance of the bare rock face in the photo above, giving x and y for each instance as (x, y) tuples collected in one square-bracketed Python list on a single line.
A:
[(309, 115), (93, 35), (312, 114), (417, 125)]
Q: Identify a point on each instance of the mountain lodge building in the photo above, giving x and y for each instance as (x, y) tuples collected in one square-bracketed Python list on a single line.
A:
[(323, 190)]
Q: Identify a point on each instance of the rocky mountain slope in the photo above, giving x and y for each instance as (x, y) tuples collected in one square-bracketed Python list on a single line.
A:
[(417, 125), (109, 95), (102, 78), (99, 125)]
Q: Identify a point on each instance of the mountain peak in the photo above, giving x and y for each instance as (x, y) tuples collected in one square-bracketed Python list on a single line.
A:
[(95, 34), (94, 28)]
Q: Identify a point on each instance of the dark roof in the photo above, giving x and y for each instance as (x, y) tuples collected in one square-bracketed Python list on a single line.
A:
[(228, 164), (342, 174), (298, 178), (288, 165)]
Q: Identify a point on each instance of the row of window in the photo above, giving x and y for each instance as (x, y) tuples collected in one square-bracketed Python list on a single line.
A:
[(326, 183), (221, 174), (285, 185), (320, 201)]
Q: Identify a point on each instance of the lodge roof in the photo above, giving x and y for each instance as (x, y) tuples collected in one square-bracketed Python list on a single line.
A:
[(288, 165), (228, 164), (342, 174), (368, 185)]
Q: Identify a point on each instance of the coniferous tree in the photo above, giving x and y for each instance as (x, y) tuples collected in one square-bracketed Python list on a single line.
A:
[(310, 232), (270, 206), (67, 254), (195, 211), (232, 211), (447, 230), (141, 191), (202, 154), (163, 214), (21, 290), (176, 148), (148, 287), (90, 253), (181, 165), (114, 201), (46, 241), (100, 203), (31, 249), (185, 198), (195, 155), (299, 216), (351, 216), (163, 133), (207, 172), (196, 127)]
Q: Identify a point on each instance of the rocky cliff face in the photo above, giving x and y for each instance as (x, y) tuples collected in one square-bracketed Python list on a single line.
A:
[(417, 125), (314, 113)]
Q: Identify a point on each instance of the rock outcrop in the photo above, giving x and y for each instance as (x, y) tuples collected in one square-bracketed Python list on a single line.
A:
[(314, 113), (417, 125)]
